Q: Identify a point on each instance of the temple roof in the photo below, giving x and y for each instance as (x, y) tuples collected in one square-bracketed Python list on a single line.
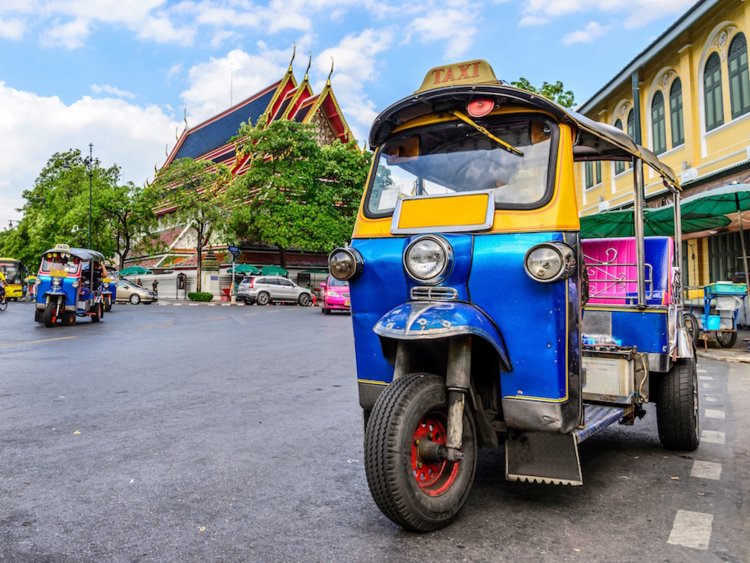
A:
[(284, 99)]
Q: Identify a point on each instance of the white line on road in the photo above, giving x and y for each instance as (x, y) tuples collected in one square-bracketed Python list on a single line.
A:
[(702, 371), (706, 470), (713, 437), (708, 386), (705, 378), (710, 399), (9, 344), (691, 529), (715, 413)]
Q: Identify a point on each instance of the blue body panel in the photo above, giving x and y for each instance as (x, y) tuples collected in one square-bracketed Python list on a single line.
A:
[(530, 320), (44, 289), (531, 315), (646, 331)]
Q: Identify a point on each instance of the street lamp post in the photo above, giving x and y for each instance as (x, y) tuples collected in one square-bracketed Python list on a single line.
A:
[(91, 172)]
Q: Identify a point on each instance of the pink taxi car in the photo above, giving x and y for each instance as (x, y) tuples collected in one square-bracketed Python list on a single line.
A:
[(334, 296)]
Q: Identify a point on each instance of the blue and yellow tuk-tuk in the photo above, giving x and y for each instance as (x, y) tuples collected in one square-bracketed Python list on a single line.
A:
[(69, 285), (469, 289)]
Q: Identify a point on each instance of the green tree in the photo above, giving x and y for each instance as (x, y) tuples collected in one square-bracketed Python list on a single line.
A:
[(130, 217), (57, 208), (195, 188), (554, 91), (296, 193)]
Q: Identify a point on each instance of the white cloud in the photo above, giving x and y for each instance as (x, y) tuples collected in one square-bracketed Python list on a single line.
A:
[(453, 27), (160, 28), (356, 64), (34, 127), (109, 90), (12, 28), (590, 32), (634, 13), (70, 35), (209, 90)]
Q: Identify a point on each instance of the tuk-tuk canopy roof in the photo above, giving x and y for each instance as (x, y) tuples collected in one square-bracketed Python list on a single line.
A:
[(595, 141), (82, 253)]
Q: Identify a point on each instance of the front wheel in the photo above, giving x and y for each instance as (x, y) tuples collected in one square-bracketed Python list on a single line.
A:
[(135, 299), (50, 315), (677, 415), (726, 339), (417, 494)]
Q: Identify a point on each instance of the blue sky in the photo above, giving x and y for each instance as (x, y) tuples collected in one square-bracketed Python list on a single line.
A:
[(121, 73)]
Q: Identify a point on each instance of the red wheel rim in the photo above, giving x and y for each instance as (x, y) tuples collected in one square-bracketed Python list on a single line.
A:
[(433, 478)]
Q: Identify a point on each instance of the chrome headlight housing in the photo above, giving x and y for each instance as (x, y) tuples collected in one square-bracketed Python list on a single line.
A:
[(549, 262), (428, 259), (345, 263), (56, 283)]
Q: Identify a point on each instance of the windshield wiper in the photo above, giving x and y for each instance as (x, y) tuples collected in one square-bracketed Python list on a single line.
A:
[(466, 119)]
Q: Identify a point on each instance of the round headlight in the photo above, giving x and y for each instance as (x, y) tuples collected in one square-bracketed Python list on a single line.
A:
[(345, 263), (549, 262), (55, 282), (428, 259)]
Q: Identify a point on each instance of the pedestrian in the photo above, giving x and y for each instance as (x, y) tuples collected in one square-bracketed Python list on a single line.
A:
[(155, 286), (137, 281)]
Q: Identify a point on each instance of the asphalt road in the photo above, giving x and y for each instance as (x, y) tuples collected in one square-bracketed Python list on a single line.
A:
[(216, 433)]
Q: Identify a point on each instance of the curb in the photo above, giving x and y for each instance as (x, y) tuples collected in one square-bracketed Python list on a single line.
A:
[(733, 356), (187, 303)]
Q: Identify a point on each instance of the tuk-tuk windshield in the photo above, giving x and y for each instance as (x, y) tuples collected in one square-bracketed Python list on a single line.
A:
[(70, 265), (452, 157)]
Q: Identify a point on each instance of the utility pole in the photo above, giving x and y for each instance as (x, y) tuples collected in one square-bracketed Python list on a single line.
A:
[(91, 190)]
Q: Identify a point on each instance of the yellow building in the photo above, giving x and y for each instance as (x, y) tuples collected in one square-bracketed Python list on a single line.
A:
[(687, 98)]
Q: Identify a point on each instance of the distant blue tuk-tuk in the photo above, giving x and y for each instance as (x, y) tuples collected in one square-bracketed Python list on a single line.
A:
[(69, 285)]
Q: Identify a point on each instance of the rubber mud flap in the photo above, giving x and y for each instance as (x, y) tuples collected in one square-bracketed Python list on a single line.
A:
[(541, 457)]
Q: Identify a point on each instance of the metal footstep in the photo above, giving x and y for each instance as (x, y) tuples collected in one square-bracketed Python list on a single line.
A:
[(540, 457)]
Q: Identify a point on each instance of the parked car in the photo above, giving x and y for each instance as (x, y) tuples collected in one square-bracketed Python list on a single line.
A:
[(334, 296), (134, 293), (266, 289)]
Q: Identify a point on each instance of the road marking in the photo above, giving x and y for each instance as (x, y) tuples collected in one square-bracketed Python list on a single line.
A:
[(43, 341), (706, 470), (177, 304), (708, 386), (702, 371), (710, 399), (193, 305), (705, 378), (713, 437), (715, 413), (691, 529)]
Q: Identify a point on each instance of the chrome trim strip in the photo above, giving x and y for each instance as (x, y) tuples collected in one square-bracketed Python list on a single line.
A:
[(422, 293)]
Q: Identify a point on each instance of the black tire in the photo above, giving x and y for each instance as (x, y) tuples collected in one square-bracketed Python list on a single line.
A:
[(3, 304), (726, 339), (691, 324), (49, 318), (399, 414), (323, 309), (69, 319), (97, 316), (263, 298), (677, 407), (135, 299), (304, 300)]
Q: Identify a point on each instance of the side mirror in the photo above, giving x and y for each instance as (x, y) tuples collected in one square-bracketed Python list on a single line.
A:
[(323, 286)]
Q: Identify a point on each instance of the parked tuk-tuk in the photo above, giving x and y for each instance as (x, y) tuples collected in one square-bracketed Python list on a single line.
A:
[(69, 285), (469, 289)]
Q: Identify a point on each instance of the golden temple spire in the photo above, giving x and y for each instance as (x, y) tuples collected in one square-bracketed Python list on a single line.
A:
[(307, 70), (328, 80), (294, 54)]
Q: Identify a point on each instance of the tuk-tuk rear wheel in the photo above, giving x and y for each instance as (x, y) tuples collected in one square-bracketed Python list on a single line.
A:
[(677, 407), (726, 339), (419, 495), (97, 316)]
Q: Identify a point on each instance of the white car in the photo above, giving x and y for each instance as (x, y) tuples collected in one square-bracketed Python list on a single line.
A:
[(266, 289)]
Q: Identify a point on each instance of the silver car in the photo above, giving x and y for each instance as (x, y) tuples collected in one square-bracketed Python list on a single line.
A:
[(128, 291), (266, 289)]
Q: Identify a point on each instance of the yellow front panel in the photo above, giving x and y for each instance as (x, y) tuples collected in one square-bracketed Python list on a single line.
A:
[(436, 212)]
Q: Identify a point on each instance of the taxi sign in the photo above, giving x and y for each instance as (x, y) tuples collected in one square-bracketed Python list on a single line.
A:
[(62, 247), (459, 74)]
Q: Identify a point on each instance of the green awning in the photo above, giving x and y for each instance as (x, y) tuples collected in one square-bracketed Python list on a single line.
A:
[(134, 271), (245, 269), (656, 222), (274, 271)]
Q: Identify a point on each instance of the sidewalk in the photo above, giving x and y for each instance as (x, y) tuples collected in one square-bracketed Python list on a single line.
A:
[(737, 354), (188, 303)]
